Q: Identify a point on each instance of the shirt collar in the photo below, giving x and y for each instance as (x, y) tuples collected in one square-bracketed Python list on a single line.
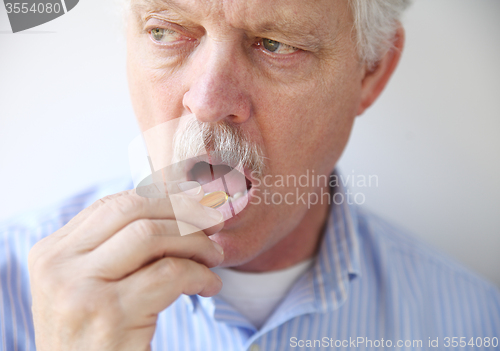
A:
[(324, 287), (338, 260)]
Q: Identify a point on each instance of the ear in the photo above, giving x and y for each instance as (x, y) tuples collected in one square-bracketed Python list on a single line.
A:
[(375, 80)]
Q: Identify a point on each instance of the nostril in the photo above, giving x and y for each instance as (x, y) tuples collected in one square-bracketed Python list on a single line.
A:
[(213, 101)]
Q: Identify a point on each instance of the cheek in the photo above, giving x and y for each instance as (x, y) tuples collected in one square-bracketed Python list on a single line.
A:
[(306, 125), (156, 95), (156, 91)]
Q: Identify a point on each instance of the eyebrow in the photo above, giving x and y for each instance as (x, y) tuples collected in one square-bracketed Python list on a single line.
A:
[(300, 31)]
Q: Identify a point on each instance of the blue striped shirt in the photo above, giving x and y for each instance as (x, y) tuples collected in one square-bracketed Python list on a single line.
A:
[(372, 287)]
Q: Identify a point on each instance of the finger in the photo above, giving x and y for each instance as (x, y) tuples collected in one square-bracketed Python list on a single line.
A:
[(190, 211), (190, 188), (55, 238), (144, 241), (156, 286), (118, 212), (86, 212), (164, 189)]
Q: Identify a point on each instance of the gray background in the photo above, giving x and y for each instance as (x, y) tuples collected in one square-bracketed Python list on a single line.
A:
[(432, 138)]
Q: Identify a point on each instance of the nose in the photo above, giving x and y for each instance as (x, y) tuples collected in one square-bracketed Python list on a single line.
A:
[(215, 84)]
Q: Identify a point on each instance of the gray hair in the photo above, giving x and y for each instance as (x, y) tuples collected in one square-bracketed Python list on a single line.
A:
[(226, 142), (375, 24)]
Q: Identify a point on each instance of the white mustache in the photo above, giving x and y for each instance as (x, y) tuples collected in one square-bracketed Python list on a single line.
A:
[(224, 141)]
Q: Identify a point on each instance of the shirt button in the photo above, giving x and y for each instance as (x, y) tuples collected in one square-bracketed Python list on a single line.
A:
[(254, 347)]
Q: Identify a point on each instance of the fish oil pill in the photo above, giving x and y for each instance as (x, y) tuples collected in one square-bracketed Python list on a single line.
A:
[(214, 200)]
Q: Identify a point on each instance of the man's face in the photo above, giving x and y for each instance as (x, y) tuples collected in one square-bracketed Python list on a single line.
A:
[(285, 71)]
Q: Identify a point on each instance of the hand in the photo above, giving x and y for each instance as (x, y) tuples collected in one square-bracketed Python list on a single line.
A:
[(100, 282)]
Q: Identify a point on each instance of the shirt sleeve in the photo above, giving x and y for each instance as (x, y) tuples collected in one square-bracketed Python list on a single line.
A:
[(16, 322)]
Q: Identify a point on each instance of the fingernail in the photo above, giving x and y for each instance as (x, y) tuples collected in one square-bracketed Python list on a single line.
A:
[(218, 247), (190, 188), (214, 214)]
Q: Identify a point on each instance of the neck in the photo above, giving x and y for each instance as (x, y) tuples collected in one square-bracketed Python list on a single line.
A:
[(299, 245)]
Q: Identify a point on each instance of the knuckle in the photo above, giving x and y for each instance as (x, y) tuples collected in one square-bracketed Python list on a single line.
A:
[(39, 261), (172, 268), (127, 205), (104, 200), (34, 264), (206, 253), (74, 298), (144, 228), (42, 248), (71, 302), (105, 325), (33, 257), (150, 191), (110, 200), (43, 280)]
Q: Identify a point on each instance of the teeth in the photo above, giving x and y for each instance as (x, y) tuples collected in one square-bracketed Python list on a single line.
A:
[(238, 195)]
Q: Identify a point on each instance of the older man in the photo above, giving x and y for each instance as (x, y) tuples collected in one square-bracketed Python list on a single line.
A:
[(275, 85)]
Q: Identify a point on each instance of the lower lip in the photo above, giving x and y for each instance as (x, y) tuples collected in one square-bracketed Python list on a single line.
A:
[(239, 207)]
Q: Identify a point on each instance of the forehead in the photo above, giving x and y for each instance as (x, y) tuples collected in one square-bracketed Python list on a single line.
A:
[(309, 16)]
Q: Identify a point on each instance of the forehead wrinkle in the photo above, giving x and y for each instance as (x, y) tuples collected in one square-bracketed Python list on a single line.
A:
[(154, 4), (189, 7)]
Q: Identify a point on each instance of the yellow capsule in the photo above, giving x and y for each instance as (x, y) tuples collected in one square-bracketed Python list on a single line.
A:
[(214, 200)]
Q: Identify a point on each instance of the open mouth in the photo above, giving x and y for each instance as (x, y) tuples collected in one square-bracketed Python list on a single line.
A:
[(221, 177)]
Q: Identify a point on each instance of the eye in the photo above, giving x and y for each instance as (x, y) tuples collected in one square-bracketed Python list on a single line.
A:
[(277, 47), (163, 35)]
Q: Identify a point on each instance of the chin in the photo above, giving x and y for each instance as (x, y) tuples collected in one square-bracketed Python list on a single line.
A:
[(241, 245)]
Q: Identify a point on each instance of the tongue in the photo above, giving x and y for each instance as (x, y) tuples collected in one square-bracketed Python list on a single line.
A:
[(210, 177)]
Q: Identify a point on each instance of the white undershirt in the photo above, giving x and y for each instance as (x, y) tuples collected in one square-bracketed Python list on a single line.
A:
[(256, 295)]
